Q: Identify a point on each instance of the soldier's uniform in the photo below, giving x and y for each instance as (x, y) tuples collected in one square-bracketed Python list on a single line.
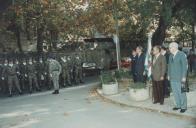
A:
[(65, 72), (10, 72), (55, 70), (41, 72), (70, 64), (31, 72), (78, 70), (2, 84), (4, 77), (23, 74), (47, 75)]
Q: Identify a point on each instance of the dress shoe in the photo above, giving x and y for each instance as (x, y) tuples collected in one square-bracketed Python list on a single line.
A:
[(82, 82), (182, 110), (39, 90), (175, 108), (10, 95), (161, 103), (155, 102), (54, 92)]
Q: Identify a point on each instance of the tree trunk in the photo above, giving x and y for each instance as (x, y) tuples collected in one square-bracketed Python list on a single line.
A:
[(54, 38), (17, 33), (164, 21), (159, 35), (40, 39)]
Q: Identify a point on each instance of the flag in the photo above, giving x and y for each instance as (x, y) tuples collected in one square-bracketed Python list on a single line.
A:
[(148, 59)]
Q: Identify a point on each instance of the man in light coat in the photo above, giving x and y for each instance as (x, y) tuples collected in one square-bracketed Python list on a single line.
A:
[(177, 71)]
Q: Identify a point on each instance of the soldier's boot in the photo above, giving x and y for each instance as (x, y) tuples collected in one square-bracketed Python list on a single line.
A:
[(49, 85), (10, 93), (22, 85), (10, 85), (20, 91), (38, 89), (74, 80), (56, 92), (37, 86), (63, 83), (77, 80), (16, 81), (68, 80), (30, 89), (68, 83), (81, 81)]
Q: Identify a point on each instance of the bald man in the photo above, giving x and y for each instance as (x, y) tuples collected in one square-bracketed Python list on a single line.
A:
[(177, 71)]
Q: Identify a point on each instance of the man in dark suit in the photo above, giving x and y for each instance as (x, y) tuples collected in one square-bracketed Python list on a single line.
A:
[(166, 88), (139, 65), (133, 61), (177, 72), (158, 73)]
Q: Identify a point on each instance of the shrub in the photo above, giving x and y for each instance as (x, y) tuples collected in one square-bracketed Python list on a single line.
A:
[(107, 77), (120, 74)]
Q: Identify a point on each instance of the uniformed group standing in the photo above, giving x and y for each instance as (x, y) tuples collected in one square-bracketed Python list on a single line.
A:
[(29, 74)]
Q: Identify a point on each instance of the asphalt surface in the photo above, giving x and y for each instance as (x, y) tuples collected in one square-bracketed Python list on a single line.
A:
[(78, 107)]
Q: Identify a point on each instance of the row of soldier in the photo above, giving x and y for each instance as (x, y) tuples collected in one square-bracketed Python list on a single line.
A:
[(33, 74)]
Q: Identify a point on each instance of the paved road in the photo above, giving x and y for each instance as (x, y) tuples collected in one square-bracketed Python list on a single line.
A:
[(78, 108)]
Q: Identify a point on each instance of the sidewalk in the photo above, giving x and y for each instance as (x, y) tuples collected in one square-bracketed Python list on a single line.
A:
[(123, 99)]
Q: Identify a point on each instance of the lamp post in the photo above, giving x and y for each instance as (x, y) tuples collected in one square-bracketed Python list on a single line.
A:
[(115, 13)]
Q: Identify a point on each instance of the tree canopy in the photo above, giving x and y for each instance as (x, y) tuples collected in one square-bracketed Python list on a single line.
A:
[(50, 21)]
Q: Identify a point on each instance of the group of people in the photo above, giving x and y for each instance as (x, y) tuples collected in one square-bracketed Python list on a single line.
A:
[(37, 73), (169, 70)]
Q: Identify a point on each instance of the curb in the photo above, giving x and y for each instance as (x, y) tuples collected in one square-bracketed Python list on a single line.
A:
[(191, 118)]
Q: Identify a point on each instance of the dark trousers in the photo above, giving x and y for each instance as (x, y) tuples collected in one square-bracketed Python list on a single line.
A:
[(32, 81), (134, 76), (139, 77), (3, 86), (166, 89), (158, 95), (23, 81), (13, 79), (41, 81)]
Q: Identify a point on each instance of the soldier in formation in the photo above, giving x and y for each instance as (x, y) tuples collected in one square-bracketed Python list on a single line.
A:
[(28, 72), (10, 73), (32, 78)]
